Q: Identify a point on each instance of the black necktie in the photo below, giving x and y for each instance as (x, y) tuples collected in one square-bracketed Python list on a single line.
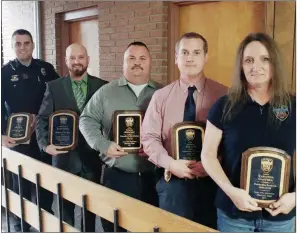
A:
[(190, 107)]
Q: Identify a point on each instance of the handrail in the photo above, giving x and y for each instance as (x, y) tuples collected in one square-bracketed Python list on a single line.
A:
[(133, 215)]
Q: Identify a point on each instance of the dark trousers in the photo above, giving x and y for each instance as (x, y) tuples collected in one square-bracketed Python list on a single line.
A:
[(68, 207), (46, 197), (192, 199), (140, 186)]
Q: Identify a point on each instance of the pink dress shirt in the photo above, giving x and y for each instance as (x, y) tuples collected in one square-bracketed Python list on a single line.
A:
[(167, 108)]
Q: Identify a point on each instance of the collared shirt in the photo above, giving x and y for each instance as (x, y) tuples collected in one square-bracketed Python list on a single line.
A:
[(167, 108), (83, 85), (96, 121), (252, 126)]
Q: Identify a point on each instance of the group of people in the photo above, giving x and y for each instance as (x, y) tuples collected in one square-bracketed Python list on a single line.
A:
[(238, 118)]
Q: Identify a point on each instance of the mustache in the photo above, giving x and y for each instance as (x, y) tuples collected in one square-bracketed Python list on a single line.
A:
[(78, 65), (137, 66)]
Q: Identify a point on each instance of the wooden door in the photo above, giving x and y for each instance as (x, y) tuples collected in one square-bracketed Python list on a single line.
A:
[(224, 25), (86, 33)]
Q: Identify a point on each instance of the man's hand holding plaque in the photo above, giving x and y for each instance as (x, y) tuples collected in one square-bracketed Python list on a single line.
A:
[(127, 130), (265, 174), (7, 142), (63, 131), (55, 150), (115, 151)]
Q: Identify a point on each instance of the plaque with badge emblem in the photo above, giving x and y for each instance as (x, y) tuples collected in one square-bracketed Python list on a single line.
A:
[(265, 174), (19, 127), (63, 129), (127, 129), (187, 140)]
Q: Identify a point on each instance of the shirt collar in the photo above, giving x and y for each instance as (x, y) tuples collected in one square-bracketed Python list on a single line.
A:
[(123, 82), (85, 80), (20, 64), (199, 85), (250, 100)]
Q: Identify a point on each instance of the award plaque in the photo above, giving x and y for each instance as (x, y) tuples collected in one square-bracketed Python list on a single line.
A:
[(265, 174), (127, 129), (63, 129), (19, 127), (187, 140)]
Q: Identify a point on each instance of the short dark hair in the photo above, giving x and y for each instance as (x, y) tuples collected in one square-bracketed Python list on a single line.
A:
[(22, 32), (191, 35), (138, 43)]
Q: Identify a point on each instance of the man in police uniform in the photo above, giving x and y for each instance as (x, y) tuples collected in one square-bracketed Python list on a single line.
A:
[(23, 83)]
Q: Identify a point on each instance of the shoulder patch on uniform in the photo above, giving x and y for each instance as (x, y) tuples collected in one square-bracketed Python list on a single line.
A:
[(281, 113)]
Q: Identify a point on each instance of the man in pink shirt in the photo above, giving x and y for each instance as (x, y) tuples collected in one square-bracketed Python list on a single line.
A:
[(190, 192)]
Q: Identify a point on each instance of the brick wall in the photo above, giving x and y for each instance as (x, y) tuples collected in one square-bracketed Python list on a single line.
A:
[(119, 24), (15, 15)]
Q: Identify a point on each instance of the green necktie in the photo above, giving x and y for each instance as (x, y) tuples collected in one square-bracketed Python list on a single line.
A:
[(79, 95)]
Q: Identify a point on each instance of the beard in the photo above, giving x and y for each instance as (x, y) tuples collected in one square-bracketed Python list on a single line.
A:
[(77, 70)]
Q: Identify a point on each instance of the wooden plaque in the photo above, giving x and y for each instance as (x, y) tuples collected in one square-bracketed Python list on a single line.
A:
[(265, 174), (19, 127), (63, 129), (187, 140), (127, 129)]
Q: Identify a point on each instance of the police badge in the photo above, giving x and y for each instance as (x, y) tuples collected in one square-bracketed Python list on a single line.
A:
[(43, 71), (281, 113), (25, 76), (265, 174)]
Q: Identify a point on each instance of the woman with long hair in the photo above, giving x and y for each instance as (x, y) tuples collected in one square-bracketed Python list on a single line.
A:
[(258, 111)]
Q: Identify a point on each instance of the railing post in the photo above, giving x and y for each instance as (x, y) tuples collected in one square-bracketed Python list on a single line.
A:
[(115, 219), (21, 196), (38, 201), (6, 194), (84, 210), (60, 208)]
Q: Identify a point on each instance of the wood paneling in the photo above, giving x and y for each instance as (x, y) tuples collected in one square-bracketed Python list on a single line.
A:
[(224, 25), (284, 34)]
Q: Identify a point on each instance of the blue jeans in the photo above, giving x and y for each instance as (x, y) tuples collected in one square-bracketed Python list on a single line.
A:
[(226, 223)]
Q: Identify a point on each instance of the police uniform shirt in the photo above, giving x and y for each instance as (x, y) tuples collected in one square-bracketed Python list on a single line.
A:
[(23, 87), (251, 127)]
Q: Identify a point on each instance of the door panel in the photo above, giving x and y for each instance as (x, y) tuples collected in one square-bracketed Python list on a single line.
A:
[(224, 25), (86, 33)]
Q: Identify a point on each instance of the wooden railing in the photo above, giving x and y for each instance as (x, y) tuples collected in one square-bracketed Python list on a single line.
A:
[(124, 211)]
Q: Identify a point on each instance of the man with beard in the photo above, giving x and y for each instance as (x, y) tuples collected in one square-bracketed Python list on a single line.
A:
[(71, 92), (127, 173)]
